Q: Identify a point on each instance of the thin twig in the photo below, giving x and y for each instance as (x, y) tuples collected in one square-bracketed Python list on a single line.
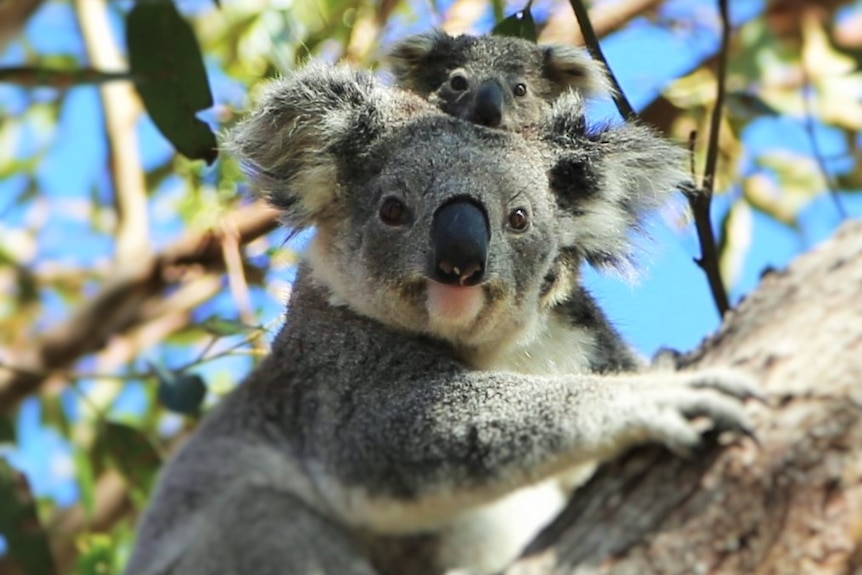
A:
[(203, 357), (34, 76), (808, 110), (592, 43), (701, 200)]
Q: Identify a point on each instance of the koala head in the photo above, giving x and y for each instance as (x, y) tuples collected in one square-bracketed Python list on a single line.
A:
[(495, 81), (437, 226)]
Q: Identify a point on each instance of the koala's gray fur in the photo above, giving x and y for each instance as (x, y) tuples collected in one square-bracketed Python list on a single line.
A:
[(491, 69), (386, 433)]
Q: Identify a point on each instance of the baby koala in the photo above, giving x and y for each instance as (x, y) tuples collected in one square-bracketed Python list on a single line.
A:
[(494, 81)]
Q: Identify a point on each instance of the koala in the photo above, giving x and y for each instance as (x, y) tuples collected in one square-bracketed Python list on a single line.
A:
[(495, 81), (439, 369)]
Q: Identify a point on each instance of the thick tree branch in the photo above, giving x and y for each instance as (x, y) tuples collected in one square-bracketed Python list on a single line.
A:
[(606, 17), (119, 305), (13, 16), (122, 109), (788, 505)]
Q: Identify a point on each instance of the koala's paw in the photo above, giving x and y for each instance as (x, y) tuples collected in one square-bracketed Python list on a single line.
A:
[(667, 409), (727, 381)]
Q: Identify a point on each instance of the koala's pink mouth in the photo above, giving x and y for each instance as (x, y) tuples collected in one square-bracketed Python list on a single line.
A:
[(454, 304)]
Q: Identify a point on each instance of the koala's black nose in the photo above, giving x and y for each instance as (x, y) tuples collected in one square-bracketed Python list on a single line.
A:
[(488, 107), (459, 240)]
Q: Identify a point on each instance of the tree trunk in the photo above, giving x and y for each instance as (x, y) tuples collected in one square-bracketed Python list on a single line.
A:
[(790, 502)]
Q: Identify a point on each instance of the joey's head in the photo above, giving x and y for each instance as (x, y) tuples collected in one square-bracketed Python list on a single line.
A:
[(437, 226), (495, 81)]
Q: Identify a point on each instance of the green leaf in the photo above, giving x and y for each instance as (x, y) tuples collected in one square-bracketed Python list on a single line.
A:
[(86, 482), (498, 6), (181, 392), (520, 25), (19, 524), (98, 554), (226, 327), (7, 429), (132, 454), (166, 59)]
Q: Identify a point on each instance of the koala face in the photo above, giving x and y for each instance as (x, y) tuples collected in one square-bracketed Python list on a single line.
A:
[(494, 81), (441, 227), (449, 232)]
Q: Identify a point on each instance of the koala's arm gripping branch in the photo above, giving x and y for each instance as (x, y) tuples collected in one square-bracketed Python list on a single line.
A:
[(429, 448)]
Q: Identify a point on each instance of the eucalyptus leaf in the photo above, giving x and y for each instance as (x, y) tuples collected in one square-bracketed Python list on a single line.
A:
[(182, 392), (166, 60), (19, 524), (132, 455), (518, 25), (7, 429)]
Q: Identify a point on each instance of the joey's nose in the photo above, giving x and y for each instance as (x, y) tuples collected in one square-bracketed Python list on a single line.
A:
[(488, 108), (459, 240)]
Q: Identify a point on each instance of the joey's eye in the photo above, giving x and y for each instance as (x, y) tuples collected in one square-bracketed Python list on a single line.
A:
[(458, 82), (519, 219), (520, 90), (393, 212)]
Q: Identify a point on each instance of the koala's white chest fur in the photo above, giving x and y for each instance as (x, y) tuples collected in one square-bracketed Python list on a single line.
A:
[(490, 537), (487, 539), (553, 348)]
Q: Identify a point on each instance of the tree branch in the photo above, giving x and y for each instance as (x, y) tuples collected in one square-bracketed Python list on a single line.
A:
[(701, 200), (789, 504), (13, 16), (592, 42), (122, 108), (33, 76), (606, 17), (118, 306)]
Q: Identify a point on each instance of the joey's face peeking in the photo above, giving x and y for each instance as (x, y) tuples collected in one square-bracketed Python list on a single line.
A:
[(493, 81), (450, 234)]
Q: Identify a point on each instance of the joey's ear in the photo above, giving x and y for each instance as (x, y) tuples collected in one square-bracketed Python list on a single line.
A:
[(569, 67), (409, 58), (607, 178), (304, 126)]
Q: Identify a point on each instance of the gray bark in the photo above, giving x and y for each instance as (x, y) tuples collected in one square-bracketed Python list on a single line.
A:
[(790, 502)]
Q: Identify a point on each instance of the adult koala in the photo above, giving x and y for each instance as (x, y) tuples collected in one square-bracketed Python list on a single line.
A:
[(439, 371)]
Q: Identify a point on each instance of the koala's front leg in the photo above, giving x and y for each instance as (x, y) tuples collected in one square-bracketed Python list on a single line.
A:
[(423, 453)]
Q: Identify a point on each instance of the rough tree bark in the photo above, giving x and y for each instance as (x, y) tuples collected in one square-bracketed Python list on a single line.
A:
[(790, 505)]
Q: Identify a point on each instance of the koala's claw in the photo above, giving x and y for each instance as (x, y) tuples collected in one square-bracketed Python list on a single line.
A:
[(667, 412), (729, 382)]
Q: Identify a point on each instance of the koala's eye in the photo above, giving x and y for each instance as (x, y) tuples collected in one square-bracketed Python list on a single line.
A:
[(520, 90), (519, 219), (458, 82), (393, 212)]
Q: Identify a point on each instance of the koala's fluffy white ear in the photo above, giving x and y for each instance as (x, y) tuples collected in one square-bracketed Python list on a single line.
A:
[(409, 57), (607, 178), (304, 127), (569, 67)]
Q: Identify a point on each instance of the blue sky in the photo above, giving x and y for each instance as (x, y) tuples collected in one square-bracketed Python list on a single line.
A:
[(667, 305)]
